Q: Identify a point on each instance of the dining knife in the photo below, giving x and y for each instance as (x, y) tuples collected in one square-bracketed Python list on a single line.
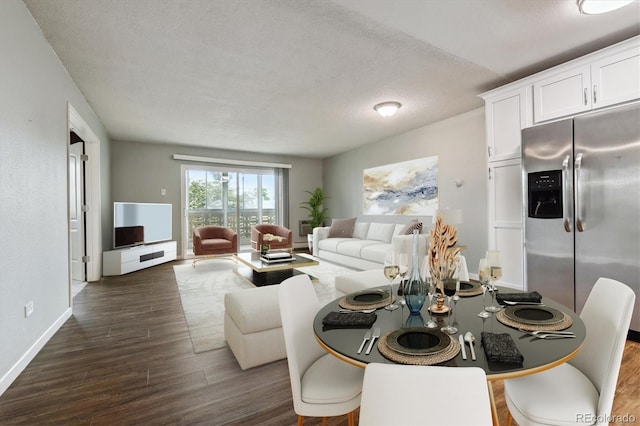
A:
[(376, 334), (554, 336), (367, 336), (464, 351)]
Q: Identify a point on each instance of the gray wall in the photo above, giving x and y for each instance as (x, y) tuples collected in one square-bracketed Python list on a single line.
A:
[(140, 170), (460, 145), (34, 249)]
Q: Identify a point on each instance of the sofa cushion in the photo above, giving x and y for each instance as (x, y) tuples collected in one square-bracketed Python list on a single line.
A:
[(375, 252), (354, 247), (360, 230), (342, 228), (381, 231), (331, 244)]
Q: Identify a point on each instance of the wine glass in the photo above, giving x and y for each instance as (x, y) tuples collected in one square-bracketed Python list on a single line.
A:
[(456, 274), (403, 265), (391, 272), (450, 288), (431, 289), (483, 275), (495, 273)]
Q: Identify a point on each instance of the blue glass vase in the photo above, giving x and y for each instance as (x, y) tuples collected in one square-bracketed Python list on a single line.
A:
[(415, 289)]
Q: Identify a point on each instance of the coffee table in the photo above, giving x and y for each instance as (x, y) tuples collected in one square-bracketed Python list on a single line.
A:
[(261, 273)]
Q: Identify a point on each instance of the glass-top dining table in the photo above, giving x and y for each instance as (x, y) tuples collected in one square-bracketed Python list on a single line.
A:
[(538, 354)]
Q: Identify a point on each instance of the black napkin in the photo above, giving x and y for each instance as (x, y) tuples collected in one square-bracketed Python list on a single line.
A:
[(500, 348), (533, 296), (348, 320)]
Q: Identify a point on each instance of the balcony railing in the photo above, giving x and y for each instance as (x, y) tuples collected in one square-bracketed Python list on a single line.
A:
[(242, 224)]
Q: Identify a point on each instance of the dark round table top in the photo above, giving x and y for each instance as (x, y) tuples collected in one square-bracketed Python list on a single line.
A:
[(538, 354)]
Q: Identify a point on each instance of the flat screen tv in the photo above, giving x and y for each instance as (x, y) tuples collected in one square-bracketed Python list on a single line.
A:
[(140, 223)]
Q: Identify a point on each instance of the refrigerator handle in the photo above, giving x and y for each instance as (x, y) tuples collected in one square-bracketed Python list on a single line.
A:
[(566, 221), (578, 193)]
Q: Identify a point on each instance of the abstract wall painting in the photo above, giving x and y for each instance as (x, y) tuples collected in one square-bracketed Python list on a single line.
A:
[(406, 188)]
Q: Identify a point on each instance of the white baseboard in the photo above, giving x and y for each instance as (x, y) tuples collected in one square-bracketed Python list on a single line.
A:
[(28, 356)]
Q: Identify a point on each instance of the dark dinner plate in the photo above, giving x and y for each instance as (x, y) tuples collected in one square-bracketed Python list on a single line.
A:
[(417, 341), (535, 315), (367, 297), (468, 286)]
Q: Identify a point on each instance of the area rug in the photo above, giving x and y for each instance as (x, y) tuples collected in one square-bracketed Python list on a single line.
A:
[(202, 291)]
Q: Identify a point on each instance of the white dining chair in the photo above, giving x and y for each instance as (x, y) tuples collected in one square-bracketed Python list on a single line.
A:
[(580, 391), (321, 384), (395, 394)]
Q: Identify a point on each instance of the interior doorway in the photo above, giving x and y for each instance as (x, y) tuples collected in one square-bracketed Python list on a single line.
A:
[(92, 199), (77, 209)]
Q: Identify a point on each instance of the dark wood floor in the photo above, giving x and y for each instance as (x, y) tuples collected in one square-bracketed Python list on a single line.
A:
[(125, 357)]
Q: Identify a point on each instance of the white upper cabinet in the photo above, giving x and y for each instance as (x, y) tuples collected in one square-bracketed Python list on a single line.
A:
[(597, 81), (562, 94), (505, 118), (616, 79)]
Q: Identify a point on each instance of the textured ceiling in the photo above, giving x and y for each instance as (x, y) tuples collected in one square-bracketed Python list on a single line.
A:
[(300, 77)]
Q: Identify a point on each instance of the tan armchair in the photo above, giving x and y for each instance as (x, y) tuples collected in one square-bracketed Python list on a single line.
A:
[(258, 231), (212, 241)]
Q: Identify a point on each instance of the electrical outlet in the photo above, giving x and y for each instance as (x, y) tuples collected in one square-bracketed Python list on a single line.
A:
[(28, 309), (163, 191)]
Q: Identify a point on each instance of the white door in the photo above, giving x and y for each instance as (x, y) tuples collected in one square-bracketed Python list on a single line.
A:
[(76, 215), (505, 218)]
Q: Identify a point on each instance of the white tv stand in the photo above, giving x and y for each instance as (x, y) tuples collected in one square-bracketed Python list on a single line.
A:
[(125, 260)]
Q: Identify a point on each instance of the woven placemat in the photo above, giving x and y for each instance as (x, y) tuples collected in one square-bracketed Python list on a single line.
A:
[(446, 354), (346, 305), (566, 322), (467, 293)]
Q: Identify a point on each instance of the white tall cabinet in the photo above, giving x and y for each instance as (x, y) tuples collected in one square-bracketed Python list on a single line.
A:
[(601, 79), (505, 113)]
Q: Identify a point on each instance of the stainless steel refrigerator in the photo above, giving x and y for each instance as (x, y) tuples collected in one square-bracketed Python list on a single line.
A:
[(581, 181)]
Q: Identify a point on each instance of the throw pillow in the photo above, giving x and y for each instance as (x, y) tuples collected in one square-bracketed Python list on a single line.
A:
[(409, 227), (360, 230), (381, 232), (342, 228)]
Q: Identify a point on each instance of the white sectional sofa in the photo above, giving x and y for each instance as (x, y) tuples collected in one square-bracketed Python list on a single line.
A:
[(368, 246)]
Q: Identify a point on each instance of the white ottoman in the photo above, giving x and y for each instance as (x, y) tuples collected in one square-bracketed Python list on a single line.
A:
[(356, 281), (252, 326)]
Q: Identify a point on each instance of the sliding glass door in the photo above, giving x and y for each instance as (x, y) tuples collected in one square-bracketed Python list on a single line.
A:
[(236, 198)]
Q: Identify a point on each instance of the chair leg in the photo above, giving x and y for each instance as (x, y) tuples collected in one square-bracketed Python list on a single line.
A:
[(509, 418), (300, 420), (351, 420), (324, 421)]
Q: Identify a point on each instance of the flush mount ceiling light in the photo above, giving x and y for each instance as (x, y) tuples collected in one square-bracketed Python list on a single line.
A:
[(387, 109), (594, 7)]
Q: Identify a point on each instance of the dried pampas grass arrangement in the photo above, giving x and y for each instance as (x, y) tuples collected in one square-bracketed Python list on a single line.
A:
[(442, 253)]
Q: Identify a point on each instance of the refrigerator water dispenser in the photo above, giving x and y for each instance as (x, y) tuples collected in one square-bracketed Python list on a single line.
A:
[(545, 194)]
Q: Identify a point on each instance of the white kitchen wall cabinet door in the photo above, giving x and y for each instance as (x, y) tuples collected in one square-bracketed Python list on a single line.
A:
[(616, 78), (505, 118), (562, 94)]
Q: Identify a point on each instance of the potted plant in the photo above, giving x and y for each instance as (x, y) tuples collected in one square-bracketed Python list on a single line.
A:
[(317, 213)]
